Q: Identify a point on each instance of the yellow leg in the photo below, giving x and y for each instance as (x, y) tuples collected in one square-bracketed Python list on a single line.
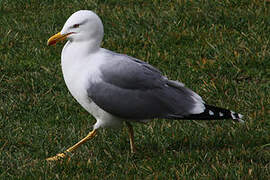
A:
[(131, 137), (71, 149)]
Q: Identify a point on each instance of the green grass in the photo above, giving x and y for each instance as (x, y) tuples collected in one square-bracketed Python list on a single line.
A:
[(220, 49)]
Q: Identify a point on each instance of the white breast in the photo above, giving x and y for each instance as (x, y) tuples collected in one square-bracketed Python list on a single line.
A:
[(77, 72)]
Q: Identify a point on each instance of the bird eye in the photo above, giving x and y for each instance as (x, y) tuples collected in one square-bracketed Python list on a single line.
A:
[(76, 25)]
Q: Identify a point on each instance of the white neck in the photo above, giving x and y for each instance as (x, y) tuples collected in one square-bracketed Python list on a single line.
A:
[(75, 50)]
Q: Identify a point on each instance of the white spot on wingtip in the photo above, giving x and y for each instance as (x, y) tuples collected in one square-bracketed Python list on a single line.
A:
[(239, 118), (211, 113), (232, 114)]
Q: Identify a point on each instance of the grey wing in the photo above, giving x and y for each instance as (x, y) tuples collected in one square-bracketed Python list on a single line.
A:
[(133, 89)]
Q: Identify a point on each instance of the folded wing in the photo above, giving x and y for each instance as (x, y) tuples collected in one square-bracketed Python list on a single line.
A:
[(133, 89)]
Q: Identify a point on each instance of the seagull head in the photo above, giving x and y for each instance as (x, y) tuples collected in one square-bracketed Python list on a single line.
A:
[(81, 26)]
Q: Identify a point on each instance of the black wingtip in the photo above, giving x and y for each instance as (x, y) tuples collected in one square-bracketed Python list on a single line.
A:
[(214, 113)]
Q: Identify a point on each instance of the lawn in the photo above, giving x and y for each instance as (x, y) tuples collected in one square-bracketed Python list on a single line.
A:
[(220, 49)]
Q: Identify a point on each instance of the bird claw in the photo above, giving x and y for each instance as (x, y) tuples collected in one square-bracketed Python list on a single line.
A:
[(56, 157)]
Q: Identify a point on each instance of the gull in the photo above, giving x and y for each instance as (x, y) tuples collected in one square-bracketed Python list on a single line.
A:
[(117, 88)]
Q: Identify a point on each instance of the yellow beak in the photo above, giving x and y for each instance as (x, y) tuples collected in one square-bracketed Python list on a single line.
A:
[(57, 38)]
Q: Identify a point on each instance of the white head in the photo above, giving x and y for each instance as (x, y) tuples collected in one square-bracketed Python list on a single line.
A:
[(81, 26)]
